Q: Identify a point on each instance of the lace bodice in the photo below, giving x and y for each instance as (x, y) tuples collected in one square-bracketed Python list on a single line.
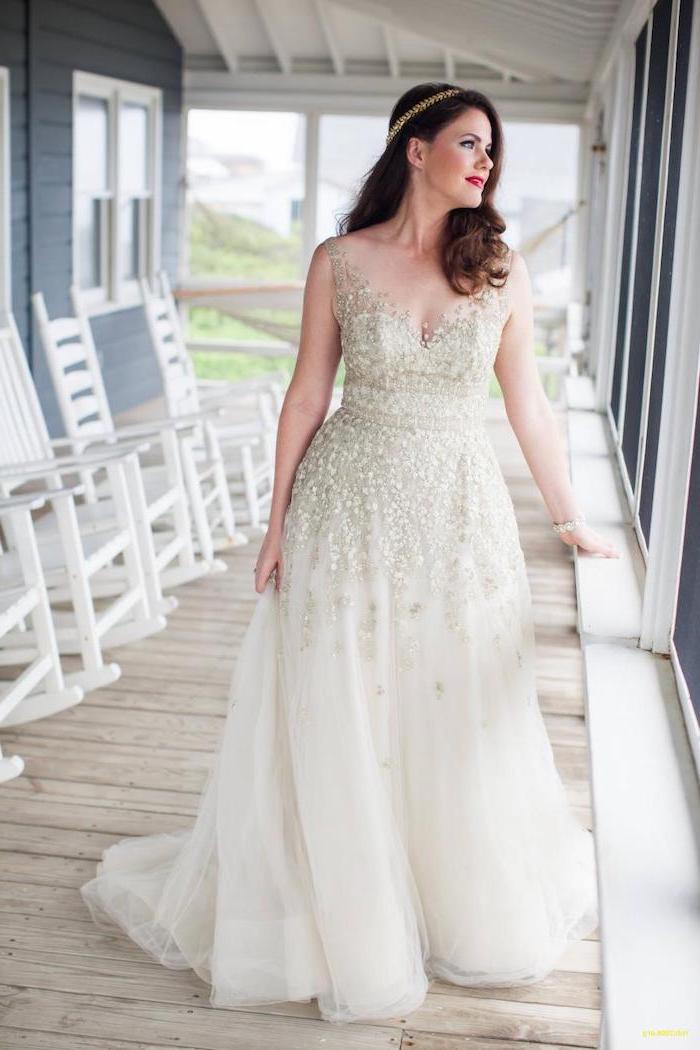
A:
[(393, 371), (401, 480)]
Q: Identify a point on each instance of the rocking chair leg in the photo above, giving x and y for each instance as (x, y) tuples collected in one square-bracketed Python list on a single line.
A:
[(147, 620), (88, 643), (181, 517), (197, 507), (155, 600), (249, 484), (224, 497)]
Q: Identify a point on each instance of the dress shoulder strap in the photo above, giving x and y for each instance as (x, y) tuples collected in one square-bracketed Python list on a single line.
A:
[(339, 273), (336, 256)]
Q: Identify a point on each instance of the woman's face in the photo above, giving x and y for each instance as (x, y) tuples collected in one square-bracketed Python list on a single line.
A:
[(457, 163)]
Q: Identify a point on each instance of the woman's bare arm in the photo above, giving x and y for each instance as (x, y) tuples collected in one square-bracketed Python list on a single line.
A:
[(531, 415), (305, 403)]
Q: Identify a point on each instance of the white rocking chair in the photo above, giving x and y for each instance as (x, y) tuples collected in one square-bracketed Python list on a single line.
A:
[(248, 445), (201, 461), (40, 689), (169, 481), (81, 561)]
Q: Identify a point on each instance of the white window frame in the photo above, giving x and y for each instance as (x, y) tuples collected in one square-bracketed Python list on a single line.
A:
[(118, 293), (5, 214)]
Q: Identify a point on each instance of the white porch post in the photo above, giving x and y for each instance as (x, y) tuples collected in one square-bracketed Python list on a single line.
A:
[(311, 174), (583, 184)]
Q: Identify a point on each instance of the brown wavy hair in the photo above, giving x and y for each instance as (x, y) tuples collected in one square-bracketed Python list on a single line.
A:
[(472, 245)]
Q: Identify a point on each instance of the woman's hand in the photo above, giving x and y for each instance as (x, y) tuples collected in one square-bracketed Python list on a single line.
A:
[(269, 561), (589, 540)]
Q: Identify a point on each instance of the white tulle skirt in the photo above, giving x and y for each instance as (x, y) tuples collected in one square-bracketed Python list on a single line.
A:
[(367, 822)]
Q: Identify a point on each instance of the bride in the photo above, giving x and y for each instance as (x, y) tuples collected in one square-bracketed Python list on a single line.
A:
[(383, 806)]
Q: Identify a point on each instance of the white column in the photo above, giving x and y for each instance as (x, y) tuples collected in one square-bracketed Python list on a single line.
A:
[(311, 175)]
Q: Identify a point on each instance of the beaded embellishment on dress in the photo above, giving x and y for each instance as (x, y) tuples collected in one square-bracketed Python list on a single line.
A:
[(407, 447)]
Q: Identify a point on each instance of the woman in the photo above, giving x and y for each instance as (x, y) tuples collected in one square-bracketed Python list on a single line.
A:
[(384, 806)]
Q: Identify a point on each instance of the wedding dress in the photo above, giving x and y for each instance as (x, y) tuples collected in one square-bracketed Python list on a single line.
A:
[(383, 806)]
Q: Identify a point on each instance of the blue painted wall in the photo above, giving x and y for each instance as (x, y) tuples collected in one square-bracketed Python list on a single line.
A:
[(13, 55), (42, 42)]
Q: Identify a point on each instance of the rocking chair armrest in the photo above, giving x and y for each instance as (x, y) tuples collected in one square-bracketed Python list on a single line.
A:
[(213, 398), (250, 429), (203, 416), (103, 454), (128, 432), (238, 441), (69, 464), (151, 428), (148, 428), (34, 500)]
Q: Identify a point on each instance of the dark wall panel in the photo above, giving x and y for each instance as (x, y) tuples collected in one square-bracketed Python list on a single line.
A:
[(646, 233), (665, 279), (13, 55), (640, 48), (44, 41)]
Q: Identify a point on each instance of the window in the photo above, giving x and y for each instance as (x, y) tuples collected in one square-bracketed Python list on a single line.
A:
[(651, 444), (657, 143), (5, 300), (640, 50), (246, 209), (643, 273), (349, 144), (116, 189)]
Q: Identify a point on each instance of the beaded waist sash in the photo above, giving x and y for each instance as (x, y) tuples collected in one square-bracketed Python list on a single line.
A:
[(416, 409)]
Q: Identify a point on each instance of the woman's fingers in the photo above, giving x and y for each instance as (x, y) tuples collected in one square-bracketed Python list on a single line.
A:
[(588, 540)]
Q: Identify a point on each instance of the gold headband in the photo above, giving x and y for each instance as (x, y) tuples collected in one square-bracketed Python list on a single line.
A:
[(418, 108)]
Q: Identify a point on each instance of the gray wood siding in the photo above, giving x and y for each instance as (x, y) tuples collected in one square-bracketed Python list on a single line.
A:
[(47, 40), (13, 55)]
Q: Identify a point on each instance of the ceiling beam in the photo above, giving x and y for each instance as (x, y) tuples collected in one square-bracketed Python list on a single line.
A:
[(269, 21), (220, 17), (314, 92), (329, 33)]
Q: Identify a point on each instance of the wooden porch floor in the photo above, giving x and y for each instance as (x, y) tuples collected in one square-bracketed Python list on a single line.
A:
[(131, 760)]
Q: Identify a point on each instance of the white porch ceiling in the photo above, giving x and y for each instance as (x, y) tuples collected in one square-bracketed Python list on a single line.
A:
[(536, 58)]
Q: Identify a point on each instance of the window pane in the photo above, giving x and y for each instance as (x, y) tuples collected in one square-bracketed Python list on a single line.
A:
[(89, 233), (133, 144), (640, 59), (130, 247), (646, 234), (245, 209), (666, 277), (348, 147), (92, 146)]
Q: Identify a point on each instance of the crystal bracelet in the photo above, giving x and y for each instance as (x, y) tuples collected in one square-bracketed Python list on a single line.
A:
[(568, 526)]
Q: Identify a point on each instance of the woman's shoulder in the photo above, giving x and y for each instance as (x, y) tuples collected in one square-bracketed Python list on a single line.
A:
[(514, 265), (517, 267), (340, 239)]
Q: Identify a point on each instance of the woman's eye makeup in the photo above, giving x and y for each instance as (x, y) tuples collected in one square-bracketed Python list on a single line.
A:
[(472, 142)]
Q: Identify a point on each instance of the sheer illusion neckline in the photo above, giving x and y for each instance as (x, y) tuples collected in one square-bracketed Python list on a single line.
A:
[(444, 319)]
